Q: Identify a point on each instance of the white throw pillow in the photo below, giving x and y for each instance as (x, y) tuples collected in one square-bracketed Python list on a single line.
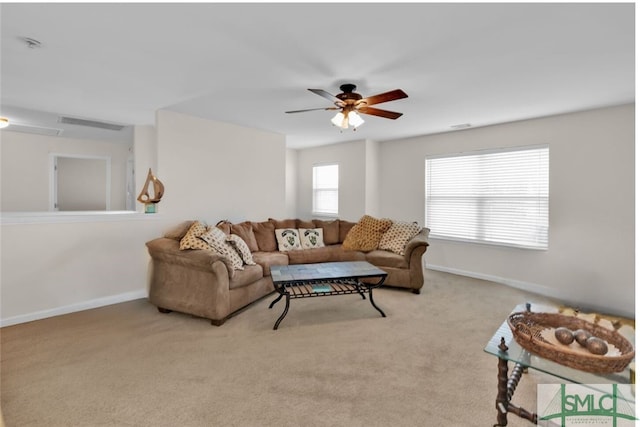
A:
[(217, 240), (288, 239), (311, 238), (396, 237), (242, 248)]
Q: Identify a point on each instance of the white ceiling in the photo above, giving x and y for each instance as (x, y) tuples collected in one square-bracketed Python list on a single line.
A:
[(249, 63)]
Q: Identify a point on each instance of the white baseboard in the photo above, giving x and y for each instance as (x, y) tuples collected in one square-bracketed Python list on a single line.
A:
[(84, 305), (518, 284), (559, 295)]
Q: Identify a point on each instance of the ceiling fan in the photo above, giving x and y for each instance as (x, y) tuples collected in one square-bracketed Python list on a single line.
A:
[(350, 103)]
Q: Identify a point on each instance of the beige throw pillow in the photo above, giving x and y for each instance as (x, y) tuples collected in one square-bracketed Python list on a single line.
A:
[(241, 247), (217, 240), (311, 238), (395, 239), (191, 239), (366, 234), (288, 239)]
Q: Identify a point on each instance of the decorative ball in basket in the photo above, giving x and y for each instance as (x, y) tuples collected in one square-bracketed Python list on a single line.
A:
[(591, 348)]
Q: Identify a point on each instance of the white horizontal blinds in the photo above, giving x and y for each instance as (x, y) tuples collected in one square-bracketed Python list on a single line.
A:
[(499, 197), (325, 189)]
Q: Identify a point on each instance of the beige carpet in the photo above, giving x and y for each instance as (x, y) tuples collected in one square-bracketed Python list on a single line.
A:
[(333, 362)]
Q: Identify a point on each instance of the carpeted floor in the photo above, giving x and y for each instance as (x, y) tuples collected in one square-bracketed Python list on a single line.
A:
[(333, 362)]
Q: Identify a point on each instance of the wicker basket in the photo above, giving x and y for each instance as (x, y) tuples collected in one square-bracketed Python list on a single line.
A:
[(527, 327)]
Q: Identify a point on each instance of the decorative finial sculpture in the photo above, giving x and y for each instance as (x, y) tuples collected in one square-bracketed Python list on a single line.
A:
[(158, 192)]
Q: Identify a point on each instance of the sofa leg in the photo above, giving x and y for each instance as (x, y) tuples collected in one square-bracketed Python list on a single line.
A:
[(164, 310), (218, 322), (416, 291)]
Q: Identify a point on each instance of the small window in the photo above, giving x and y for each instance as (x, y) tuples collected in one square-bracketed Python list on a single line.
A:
[(325, 189), (496, 197)]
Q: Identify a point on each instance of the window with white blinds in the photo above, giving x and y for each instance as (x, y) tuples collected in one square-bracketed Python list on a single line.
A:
[(325, 189), (496, 197)]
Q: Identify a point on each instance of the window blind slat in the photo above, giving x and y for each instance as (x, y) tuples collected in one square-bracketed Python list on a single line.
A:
[(494, 197)]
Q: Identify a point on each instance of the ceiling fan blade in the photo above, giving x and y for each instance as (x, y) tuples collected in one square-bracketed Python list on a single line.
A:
[(325, 94), (378, 112), (312, 109), (383, 97)]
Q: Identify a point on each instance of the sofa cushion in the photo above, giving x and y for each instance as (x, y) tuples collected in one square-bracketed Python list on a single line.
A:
[(241, 247), (191, 238), (396, 237), (249, 275), (301, 223), (332, 253), (382, 258), (225, 226), (345, 227), (366, 234), (265, 234), (217, 240), (288, 239), (330, 230), (284, 223), (245, 231), (267, 259), (179, 231), (311, 238)]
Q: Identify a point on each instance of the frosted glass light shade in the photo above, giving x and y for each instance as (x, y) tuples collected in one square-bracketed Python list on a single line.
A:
[(4, 122), (340, 120), (354, 119)]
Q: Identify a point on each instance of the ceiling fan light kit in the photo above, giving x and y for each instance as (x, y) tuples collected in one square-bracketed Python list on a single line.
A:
[(4, 122), (350, 103)]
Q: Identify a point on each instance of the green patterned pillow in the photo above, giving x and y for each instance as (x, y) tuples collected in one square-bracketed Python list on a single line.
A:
[(311, 238), (288, 239)]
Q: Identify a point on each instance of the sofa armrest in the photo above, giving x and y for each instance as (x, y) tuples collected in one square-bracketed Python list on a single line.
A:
[(168, 250), (419, 243)]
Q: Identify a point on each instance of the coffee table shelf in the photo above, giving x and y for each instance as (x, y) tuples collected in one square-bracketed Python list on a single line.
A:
[(316, 288)]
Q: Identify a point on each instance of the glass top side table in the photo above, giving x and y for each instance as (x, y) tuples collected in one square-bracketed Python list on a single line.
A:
[(506, 349)]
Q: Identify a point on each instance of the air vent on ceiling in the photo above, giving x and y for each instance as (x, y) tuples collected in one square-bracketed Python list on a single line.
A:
[(90, 123), (38, 130)]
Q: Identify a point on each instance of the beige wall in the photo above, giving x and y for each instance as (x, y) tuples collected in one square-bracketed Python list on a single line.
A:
[(210, 171), (590, 260), (213, 170), (351, 157), (25, 168)]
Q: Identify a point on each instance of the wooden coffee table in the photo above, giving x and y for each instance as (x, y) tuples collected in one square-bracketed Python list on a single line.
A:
[(324, 279)]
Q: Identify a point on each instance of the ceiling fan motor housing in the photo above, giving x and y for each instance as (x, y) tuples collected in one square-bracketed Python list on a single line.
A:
[(348, 95)]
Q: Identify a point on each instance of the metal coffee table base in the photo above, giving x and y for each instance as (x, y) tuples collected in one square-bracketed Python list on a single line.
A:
[(320, 288)]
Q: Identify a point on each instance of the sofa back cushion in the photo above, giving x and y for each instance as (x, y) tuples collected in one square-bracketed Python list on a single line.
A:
[(330, 230), (301, 223), (178, 232), (345, 227), (284, 223), (265, 234), (245, 231)]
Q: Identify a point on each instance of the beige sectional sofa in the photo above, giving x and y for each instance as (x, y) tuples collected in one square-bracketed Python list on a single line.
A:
[(203, 283)]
